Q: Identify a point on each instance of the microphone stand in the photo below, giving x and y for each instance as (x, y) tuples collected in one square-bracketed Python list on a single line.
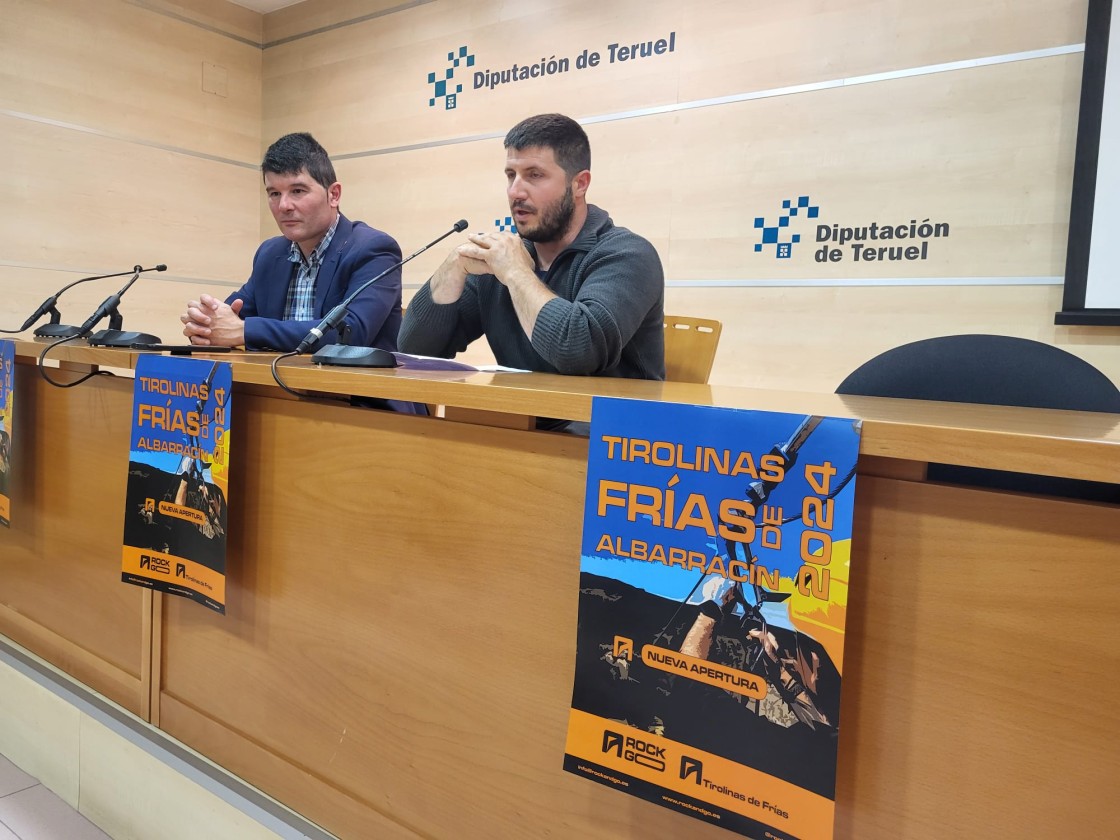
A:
[(54, 329), (115, 336), (344, 354)]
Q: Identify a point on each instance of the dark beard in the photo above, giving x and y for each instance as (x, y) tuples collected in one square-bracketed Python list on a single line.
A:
[(554, 220)]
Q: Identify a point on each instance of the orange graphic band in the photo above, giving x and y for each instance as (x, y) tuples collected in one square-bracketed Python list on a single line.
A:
[(169, 569), (5, 508), (684, 770), (701, 670)]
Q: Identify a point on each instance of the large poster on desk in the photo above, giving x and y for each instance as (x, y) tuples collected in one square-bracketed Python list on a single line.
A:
[(713, 593), (7, 408), (176, 506)]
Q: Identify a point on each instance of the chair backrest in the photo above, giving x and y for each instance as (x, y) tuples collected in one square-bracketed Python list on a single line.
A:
[(690, 348), (992, 370)]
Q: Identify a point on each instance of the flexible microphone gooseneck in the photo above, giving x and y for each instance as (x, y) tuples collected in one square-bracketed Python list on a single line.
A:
[(115, 336), (341, 354), (54, 329)]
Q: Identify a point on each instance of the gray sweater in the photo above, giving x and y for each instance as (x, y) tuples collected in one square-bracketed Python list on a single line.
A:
[(608, 318)]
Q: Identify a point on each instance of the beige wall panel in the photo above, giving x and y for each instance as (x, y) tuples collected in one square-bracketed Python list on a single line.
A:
[(825, 332), (987, 150), (122, 69), (809, 339), (95, 203), (695, 192), (364, 85), (415, 196), (310, 15), (224, 16), (152, 305), (738, 47)]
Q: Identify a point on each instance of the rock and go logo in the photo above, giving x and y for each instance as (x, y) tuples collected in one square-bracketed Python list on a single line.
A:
[(640, 752)]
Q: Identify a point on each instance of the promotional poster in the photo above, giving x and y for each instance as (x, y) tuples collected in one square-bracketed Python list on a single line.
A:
[(177, 501), (713, 596), (7, 409)]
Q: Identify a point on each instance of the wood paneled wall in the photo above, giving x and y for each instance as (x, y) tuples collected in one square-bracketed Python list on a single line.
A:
[(877, 111), (116, 155)]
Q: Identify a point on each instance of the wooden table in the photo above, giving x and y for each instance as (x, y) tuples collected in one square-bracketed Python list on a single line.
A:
[(397, 656)]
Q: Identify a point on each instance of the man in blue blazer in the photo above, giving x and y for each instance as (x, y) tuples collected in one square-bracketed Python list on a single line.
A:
[(298, 277)]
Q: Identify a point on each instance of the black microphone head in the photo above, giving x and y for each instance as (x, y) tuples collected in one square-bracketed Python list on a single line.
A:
[(460, 225), (161, 267)]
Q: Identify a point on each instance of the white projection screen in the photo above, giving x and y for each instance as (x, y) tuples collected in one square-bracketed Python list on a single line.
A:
[(1092, 282)]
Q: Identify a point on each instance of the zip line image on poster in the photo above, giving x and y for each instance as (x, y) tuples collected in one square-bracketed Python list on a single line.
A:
[(7, 411), (713, 597), (177, 498)]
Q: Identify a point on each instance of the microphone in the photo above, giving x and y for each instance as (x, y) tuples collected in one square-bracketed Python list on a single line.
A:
[(114, 336), (54, 329), (341, 354)]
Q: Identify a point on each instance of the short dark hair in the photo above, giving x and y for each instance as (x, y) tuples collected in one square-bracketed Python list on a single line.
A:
[(293, 153), (554, 131)]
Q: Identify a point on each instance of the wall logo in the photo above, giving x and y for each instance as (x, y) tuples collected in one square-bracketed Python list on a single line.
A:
[(447, 89), (772, 234), (447, 83), (505, 225), (881, 241)]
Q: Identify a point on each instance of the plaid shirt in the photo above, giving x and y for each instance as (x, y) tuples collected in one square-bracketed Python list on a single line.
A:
[(300, 303)]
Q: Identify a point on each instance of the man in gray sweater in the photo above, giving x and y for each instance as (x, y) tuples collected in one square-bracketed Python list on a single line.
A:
[(569, 293)]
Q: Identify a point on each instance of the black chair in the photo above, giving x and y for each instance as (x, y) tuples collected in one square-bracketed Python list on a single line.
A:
[(993, 370)]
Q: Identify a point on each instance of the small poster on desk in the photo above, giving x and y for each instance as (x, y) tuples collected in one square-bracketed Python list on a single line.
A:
[(7, 409), (177, 501), (712, 604)]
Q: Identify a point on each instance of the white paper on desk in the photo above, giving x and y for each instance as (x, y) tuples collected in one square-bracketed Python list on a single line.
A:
[(412, 361), (409, 361), (500, 369)]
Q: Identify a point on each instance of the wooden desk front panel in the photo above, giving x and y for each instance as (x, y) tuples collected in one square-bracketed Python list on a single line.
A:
[(61, 594), (979, 694), (398, 653), (397, 658)]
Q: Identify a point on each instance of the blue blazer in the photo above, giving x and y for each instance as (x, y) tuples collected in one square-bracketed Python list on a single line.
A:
[(357, 252)]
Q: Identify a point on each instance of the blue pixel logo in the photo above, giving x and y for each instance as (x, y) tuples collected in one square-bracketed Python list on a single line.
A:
[(505, 225), (446, 88), (772, 234)]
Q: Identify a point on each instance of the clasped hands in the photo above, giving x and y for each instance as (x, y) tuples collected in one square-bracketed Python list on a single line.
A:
[(502, 254), (212, 321)]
